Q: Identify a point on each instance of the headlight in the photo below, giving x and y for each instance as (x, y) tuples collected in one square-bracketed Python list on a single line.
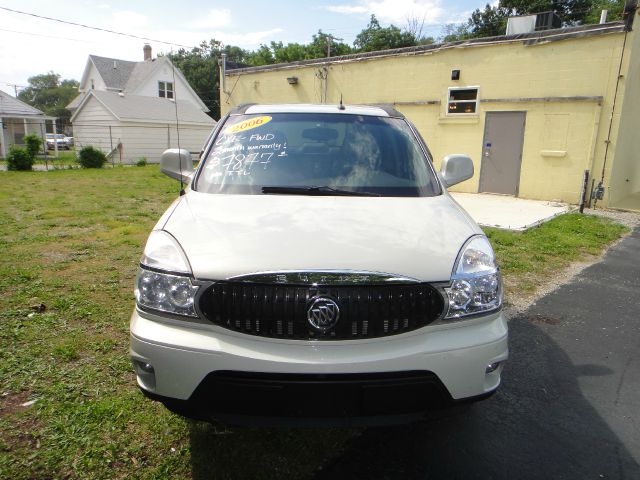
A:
[(165, 292), (476, 285), (164, 279)]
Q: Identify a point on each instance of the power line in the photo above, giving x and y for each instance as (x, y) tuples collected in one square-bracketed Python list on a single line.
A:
[(47, 36), (94, 28)]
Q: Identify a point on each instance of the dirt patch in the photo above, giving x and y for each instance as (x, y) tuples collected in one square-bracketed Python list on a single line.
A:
[(13, 402)]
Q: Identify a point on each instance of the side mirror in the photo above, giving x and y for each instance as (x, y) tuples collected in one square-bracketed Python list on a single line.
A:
[(177, 164), (456, 168)]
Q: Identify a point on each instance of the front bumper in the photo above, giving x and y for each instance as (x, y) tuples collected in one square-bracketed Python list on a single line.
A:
[(186, 362)]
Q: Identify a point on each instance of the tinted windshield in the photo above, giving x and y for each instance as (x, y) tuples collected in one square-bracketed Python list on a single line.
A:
[(348, 152)]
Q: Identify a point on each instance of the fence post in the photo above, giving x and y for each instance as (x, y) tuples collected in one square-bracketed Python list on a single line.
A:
[(55, 139), (111, 151), (44, 147)]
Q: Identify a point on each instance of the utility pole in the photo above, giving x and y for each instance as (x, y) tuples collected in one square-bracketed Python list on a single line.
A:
[(329, 38), (15, 88)]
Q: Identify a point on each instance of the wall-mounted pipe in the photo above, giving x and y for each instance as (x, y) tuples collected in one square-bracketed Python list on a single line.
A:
[(223, 72)]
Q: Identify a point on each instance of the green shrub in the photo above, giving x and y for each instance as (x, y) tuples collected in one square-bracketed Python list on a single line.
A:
[(32, 143), (91, 157), (142, 161), (19, 159)]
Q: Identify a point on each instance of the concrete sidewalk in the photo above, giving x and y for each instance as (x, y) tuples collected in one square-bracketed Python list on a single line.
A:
[(503, 211)]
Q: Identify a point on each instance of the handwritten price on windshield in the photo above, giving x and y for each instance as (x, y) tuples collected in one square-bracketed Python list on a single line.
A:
[(241, 164)]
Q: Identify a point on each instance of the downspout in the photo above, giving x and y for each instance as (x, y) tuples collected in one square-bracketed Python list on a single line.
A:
[(629, 12)]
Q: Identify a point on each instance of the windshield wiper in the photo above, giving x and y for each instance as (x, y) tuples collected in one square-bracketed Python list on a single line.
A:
[(325, 191)]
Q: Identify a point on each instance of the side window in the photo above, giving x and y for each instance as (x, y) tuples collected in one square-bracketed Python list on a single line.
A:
[(463, 101), (165, 89)]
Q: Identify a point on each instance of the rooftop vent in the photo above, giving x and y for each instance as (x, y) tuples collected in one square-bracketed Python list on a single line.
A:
[(533, 23)]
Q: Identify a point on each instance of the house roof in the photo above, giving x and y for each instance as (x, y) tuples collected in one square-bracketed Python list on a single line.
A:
[(532, 38), (10, 106), (138, 108), (128, 76), (140, 73), (115, 73)]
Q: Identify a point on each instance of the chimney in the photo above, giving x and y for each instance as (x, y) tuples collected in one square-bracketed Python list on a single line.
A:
[(147, 52)]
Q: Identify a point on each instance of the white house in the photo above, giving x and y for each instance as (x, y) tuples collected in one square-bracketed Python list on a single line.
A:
[(18, 119), (133, 110)]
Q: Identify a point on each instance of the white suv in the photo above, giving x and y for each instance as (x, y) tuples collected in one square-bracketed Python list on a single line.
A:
[(316, 269)]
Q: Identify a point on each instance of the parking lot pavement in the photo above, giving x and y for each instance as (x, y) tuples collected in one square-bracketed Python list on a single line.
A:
[(569, 407)]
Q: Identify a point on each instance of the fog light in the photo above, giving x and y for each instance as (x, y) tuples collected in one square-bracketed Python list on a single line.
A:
[(146, 374), (492, 367)]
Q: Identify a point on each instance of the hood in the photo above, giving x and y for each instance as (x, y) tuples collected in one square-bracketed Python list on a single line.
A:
[(229, 235)]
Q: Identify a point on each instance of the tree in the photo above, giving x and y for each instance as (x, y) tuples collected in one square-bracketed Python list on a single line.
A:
[(262, 56), (323, 44), (490, 22), (571, 12), (614, 8), (291, 52), (201, 69), (47, 93), (374, 37), (415, 26)]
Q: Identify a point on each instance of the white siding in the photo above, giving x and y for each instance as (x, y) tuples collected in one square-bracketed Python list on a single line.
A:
[(91, 127), (98, 83), (150, 140), (164, 74)]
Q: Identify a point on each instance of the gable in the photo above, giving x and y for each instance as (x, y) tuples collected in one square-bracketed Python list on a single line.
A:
[(164, 71), (92, 110), (91, 78)]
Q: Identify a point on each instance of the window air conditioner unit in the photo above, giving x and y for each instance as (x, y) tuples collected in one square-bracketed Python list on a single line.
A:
[(547, 21)]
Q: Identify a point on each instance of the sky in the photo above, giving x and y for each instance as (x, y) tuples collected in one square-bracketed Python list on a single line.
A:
[(31, 46)]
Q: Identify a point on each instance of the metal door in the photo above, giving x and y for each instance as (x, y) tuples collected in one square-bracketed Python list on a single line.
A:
[(502, 152)]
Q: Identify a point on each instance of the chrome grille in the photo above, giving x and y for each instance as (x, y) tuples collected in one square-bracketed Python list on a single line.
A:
[(280, 311)]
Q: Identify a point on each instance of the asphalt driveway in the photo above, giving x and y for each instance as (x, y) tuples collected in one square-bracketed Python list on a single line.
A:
[(569, 407)]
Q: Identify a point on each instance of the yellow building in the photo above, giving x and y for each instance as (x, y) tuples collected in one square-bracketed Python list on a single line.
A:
[(534, 111)]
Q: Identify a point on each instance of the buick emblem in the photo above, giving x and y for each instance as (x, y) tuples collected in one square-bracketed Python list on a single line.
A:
[(323, 314)]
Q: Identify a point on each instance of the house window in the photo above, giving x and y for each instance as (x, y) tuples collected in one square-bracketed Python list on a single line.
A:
[(165, 89), (463, 101)]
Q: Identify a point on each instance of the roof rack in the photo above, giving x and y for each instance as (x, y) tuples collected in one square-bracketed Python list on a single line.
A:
[(388, 109), (242, 108)]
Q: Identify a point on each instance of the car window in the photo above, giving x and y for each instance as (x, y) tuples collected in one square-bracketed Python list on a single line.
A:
[(354, 152)]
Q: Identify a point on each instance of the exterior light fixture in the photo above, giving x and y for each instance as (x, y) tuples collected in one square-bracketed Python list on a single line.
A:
[(292, 80)]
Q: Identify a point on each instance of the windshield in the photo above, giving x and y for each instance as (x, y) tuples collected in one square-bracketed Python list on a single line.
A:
[(357, 153), (58, 136)]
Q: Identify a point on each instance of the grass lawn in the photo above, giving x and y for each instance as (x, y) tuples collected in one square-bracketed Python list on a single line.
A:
[(71, 240)]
